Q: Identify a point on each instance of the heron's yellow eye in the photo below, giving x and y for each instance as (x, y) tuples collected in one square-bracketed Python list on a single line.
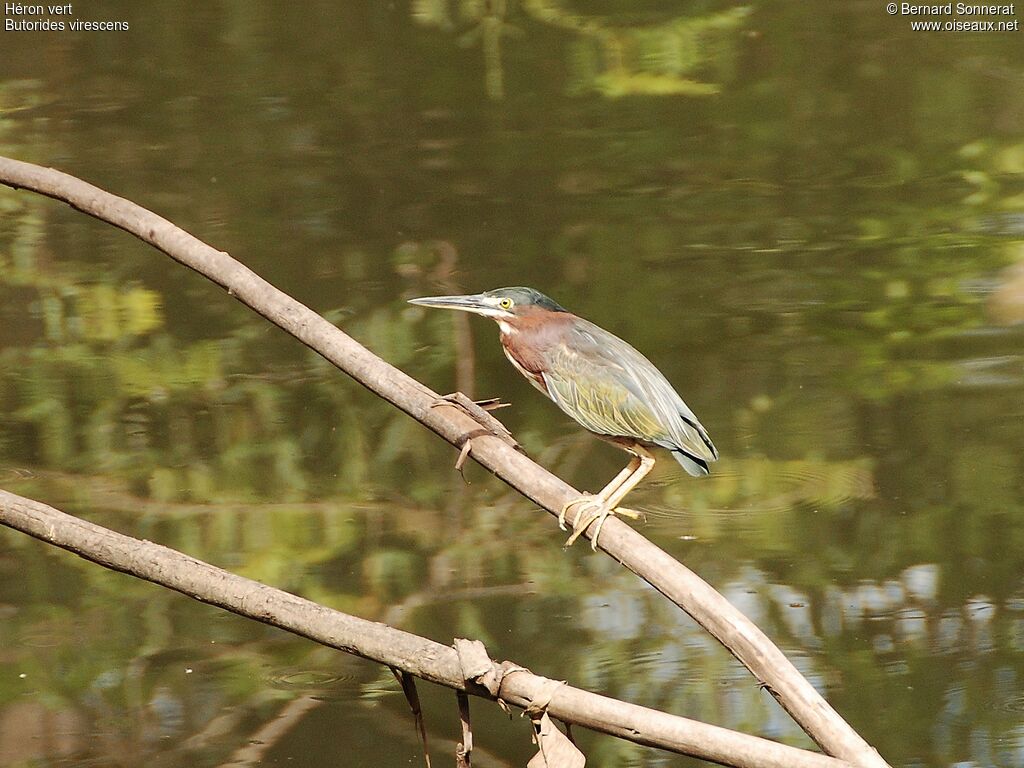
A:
[(505, 303)]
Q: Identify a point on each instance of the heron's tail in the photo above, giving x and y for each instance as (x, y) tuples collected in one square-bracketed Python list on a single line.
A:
[(693, 465)]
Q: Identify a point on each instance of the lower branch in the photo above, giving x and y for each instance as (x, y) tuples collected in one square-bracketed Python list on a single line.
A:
[(401, 650)]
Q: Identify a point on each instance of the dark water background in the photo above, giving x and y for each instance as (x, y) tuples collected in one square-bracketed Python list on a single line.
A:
[(802, 212)]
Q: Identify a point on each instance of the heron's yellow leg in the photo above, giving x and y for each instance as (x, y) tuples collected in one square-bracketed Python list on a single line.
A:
[(599, 507), (604, 495)]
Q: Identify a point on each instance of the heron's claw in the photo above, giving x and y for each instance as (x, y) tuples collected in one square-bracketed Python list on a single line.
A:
[(584, 499), (593, 508)]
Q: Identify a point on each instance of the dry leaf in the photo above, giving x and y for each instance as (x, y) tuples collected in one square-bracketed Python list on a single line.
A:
[(554, 748)]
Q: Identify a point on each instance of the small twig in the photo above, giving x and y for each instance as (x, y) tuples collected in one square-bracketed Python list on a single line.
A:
[(492, 404), (408, 683), (478, 411), (464, 751)]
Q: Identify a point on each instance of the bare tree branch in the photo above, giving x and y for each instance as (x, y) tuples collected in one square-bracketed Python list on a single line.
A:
[(710, 609), (411, 654)]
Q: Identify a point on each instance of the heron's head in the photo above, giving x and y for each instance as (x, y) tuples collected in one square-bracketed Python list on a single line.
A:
[(501, 304)]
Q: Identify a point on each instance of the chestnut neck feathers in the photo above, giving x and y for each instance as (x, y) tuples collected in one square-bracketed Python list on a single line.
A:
[(528, 338)]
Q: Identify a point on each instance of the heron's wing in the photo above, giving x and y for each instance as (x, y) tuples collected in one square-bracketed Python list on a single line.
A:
[(611, 389)]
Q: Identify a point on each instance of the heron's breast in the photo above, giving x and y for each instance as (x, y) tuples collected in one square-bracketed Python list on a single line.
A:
[(534, 377), (525, 347)]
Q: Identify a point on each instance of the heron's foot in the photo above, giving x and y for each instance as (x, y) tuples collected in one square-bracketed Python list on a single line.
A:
[(591, 508), (587, 499), (595, 503)]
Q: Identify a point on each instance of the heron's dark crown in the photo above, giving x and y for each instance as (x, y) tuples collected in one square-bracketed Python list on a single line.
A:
[(526, 297)]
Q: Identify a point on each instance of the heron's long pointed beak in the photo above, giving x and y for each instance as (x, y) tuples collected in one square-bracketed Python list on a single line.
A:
[(472, 303)]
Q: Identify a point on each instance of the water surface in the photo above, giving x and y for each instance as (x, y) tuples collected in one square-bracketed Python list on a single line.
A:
[(804, 216)]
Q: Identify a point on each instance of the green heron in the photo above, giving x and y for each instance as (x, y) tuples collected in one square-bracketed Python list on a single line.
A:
[(600, 381)]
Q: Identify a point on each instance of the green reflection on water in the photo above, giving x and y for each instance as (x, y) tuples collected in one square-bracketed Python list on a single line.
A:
[(813, 251)]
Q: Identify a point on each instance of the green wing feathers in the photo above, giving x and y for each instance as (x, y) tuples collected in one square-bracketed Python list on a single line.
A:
[(604, 407), (611, 389)]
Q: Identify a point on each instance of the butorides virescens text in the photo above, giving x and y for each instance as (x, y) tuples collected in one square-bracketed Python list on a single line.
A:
[(600, 381)]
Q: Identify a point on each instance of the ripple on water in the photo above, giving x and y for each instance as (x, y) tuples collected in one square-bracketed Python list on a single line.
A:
[(1011, 705), (990, 372), (49, 634), (750, 488), (306, 679), (16, 473), (330, 686)]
